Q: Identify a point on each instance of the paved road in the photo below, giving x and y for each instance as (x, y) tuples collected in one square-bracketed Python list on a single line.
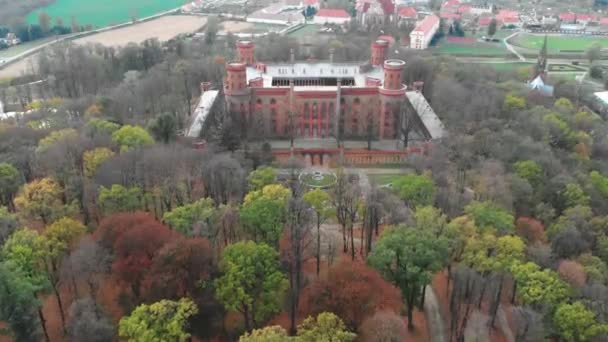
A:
[(434, 320), (511, 48)]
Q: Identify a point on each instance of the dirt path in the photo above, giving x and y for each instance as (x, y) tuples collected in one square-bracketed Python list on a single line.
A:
[(433, 316), (503, 323)]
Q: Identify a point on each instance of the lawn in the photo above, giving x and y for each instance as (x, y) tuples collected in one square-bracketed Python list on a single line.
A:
[(306, 30), (511, 66), (471, 49), (18, 49), (557, 44), (383, 179), (100, 13)]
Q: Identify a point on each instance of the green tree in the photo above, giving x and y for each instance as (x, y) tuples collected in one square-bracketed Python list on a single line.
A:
[(19, 305), (166, 320), (261, 177), (536, 286), (530, 171), (10, 180), (514, 103), (92, 159), (8, 224), (164, 128), (119, 199), (264, 213), (273, 333), (55, 137), (594, 52), (251, 281), (573, 195), (184, 218), (40, 199), (320, 202), (325, 327), (98, 127), (129, 137), (564, 105), (576, 323), (408, 258), (492, 27), (415, 190), (488, 216), (599, 182)]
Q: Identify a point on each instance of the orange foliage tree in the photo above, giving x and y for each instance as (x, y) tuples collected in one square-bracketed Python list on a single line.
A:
[(353, 291), (530, 229), (383, 326), (572, 272)]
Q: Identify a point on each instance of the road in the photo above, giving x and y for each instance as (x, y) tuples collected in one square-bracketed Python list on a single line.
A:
[(511, 48)]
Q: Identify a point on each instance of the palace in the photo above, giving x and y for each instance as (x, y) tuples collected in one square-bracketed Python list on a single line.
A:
[(321, 101)]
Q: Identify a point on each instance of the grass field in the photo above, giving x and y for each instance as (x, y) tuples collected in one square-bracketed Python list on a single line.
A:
[(556, 44), (507, 66), (471, 49), (383, 179), (18, 49), (100, 13)]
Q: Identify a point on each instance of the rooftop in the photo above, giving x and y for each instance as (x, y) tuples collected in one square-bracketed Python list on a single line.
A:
[(426, 24), (200, 113), (305, 70), (430, 121), (602, 96), (408, 12)]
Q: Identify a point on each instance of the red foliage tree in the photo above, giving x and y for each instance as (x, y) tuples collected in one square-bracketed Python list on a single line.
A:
[(572, 272), (134, 239), (383, 326), (353, 291), (530, 229), (179, 269)]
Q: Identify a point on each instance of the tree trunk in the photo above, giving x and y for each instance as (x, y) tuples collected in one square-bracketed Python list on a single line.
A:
[(60, 305), (344, 238), (514, 292), (352, 241), (422, 297), (318, 245), (496, 303), (246, 318), (43, 324), (410, 312)]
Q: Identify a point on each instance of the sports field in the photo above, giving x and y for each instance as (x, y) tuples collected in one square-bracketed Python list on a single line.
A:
[(557, 43), (100, 13), (470, 49)]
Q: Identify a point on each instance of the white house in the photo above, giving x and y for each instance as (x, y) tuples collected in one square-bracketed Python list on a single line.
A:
[(422, 35), (331, 16)]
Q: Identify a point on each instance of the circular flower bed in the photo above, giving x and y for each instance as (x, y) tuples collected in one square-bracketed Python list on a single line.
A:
[(318, 179)]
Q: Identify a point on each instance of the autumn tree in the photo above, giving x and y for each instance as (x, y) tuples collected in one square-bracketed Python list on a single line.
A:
[(251, 281), (489, 216), (319, 201), (10, 180), (92, 159), (165, 320), (134, 251), (408, 258), (88, 322), (59, 238), (273, 333), (345, 281), (346, 198), (40, 199), (530, 229), (88, 263), (383, 326), (536, 286), (572, 272)]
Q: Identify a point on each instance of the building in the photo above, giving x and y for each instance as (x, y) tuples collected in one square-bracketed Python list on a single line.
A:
[(567, 18), (407, 14), (604, 24), (331, 16), (277, 14), (319, 101), (422, 35), (375, 12)]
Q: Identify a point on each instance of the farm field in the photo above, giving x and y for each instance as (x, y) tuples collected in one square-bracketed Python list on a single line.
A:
[(103, 13), (556, 43), (18, 68), (163, 28)]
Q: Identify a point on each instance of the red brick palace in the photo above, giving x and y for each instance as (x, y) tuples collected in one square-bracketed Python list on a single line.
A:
[(321, 99)]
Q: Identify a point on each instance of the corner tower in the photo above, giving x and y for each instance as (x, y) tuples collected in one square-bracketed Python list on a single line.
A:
[(392, 95), (245, 52), (379, 48)]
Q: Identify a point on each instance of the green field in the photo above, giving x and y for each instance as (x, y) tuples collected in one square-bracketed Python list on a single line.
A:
[(18, 49), (471, 49), (384, 179), (556, 44), (100, 13)]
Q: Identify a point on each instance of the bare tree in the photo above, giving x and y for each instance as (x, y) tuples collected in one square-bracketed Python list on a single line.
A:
[(346, 197), (529, 324), (88, 322), (89, 263)]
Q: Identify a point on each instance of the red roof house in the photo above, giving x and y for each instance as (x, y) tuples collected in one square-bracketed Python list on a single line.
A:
[(332, 13), (408, 13), (464, 9), (485, 21), (568, 17)]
